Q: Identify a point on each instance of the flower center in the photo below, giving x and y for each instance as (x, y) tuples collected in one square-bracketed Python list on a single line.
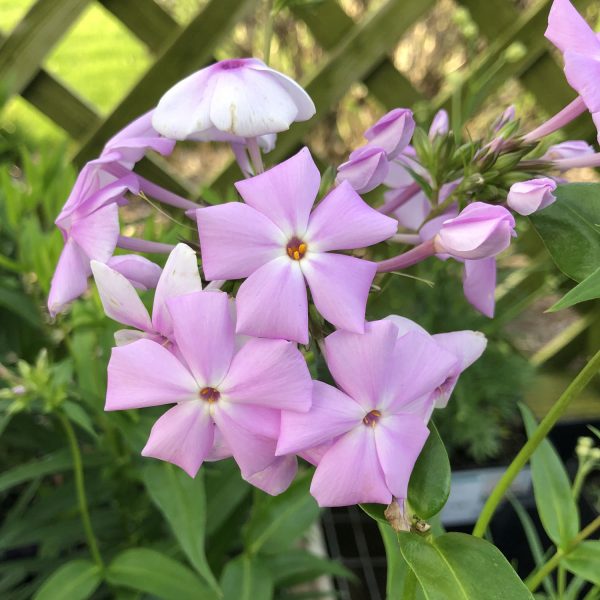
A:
[(296, 248), (209, 395), (234, 63), (371, 418)]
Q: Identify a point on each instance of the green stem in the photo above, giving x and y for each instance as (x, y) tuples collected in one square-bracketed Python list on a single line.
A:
[(562, 582), (80, 488), (582, 473), (534, 581), (268, 32), (557, 410)]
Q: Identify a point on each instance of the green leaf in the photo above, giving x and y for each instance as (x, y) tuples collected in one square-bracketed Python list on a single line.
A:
[(429, 485), (584, 561), (182, 501), (588, 289), (246, 578), (75, 580), (461, 567), (570, 229), (376, 511), (78, 415), (155, 573), (397, 567), (51, 463), (296, 566), (552, 489), (277, 521)]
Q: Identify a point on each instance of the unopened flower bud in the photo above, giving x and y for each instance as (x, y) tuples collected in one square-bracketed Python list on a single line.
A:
[(479, 231), (440, 124), (527, 197), (595, 453), (142, 273), (568, 149), (392, 132), (367, 168)]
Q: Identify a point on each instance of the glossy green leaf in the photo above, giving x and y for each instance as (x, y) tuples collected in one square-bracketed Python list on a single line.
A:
[(584, 561), (570, 229), (376, 511), (182, 501), (277, 521), (461, 567), (155, 573), (429, 485), (397, 567), (588, 289), (296, 566), (75, 580), (246, 578), (552, 489)]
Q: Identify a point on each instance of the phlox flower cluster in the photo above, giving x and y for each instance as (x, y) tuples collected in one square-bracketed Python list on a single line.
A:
[(286, 273)]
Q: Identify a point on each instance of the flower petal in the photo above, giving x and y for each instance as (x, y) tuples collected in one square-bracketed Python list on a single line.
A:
[(146, 374), (119, 298), (285, 193), (252, 452), (349, 472), (343, 221), (236, 240), (568, 30), (359, 363), (332, 414), (272, 302), (582, 74), (479, 284), (399, 440), (204, 332), (70, 277), (142, 273), (180, 276), (270, 373), (182, 436), (340, 287), (97, 233), (277, 477)]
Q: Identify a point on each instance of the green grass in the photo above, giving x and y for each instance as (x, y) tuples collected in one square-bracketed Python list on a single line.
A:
[(98, 58)]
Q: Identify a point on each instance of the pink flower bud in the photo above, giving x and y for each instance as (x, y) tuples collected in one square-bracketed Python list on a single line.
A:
[(392, 132), (479, 231), (439, 125), (367, 168), (527, 197), (568, 149)]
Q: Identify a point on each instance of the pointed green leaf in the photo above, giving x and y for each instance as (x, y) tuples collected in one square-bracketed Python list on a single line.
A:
[(570, 229), (155, 573), (588, 289), (584, 561), (75, 580), (552, 489), (182, 501), (246, 578), (461, 567)]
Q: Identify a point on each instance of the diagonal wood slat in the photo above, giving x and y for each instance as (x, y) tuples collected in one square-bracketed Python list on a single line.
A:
[(350, 61), (29, 43), (188, 51)]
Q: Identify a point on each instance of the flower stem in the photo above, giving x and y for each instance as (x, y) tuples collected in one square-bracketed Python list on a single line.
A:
[(536, 579), (560, 119), (92, 542), (401, 198), (557, 410), (165, 196), (407, 259), (140, 245), (255, 155)]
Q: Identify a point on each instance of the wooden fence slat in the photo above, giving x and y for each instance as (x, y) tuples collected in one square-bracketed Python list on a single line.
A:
[(188, 51), (24, 49), (329, 24), (145, 19), (351, 61)]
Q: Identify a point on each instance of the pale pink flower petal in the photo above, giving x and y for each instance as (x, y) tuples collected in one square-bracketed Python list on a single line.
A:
[(119, 298), (365, 169), (236, 239), (399, 440), (98, 233), (128, 336), (142, 273), (180, 276), (277, 477), (146, 374), (568, 30), (359, 362), (479, 284), (349, 472), (182, 436), (204, 332), (343, 221), (413, 213), (332, 414), (256, 376), (272, 302), (583, 73), (340, 286), (285, 193), (393, 131), (70, 277)]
